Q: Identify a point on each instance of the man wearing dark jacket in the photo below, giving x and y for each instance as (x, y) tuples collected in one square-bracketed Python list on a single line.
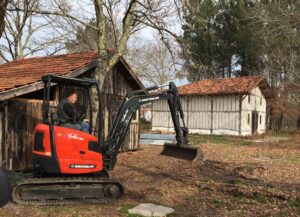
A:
[(67, 113)]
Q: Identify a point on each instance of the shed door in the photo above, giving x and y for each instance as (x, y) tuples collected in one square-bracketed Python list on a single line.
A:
[(254, 121)]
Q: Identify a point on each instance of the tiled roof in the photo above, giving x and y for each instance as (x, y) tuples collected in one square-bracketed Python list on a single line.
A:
[(240, 85), (26, 71)]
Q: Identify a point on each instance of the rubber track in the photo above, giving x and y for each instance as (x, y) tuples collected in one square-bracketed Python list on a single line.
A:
[(62, 180)]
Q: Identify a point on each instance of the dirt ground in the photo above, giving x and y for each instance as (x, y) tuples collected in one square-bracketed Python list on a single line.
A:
[(259, 179)]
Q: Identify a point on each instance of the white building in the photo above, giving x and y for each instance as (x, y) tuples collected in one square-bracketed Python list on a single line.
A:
[(231, 106)]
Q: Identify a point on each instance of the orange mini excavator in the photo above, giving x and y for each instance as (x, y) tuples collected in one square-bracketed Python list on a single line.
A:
[(70, 166)]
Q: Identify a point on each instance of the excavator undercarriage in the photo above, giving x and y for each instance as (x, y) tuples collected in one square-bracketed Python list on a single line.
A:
[(65, 190)]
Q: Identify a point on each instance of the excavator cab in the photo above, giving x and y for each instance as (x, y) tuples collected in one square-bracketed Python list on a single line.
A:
[(60, 150)]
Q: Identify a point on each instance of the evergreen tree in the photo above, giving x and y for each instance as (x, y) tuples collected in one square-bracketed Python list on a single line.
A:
[(199, 49), (248, 41), (219, 36)]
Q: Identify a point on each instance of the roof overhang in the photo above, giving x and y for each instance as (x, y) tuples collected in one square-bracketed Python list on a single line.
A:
[(18, 91)]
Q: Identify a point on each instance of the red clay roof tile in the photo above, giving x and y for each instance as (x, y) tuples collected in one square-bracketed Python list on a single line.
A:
[(240, 85), (26, 71)]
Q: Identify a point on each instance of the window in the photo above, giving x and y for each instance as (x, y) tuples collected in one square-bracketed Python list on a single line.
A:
[(248, 119), (249, 99), (260, 119), (135, 116), (260, 100)]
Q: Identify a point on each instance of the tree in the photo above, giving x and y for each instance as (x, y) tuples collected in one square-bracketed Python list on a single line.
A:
[(155, 64), (3, 5), (248, 42), (219, 37), (279, 21), (23, 34), (138, 13), (86, 38), (199, 38)]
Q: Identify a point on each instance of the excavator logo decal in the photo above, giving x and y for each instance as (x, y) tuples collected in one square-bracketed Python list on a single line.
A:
[(74, 136), (82, 166)]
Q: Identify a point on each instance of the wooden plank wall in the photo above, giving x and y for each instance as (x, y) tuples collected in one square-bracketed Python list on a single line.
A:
[(203, 114), (115, 88), (18, 119)]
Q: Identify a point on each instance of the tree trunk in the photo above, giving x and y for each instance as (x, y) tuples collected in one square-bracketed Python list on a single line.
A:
[(280, 121), (229, 67), (243, 73), (100, 72), (3, 5), (105, 63)]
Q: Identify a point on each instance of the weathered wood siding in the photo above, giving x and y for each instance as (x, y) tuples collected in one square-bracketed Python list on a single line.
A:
[(115, 88), (225, 115), (18, 119), (133, 138), (203, 114)]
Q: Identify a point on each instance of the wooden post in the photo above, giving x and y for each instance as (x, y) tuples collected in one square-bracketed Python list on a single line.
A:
[(187, 111), (56, 96), (211, 113), (7, 136), (241, 98), (106, 124)]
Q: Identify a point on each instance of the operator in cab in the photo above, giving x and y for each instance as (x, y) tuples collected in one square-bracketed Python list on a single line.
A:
[(67, 113)]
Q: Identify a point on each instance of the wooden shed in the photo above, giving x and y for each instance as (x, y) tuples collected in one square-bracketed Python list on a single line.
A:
[(230, 106), (21, 100)]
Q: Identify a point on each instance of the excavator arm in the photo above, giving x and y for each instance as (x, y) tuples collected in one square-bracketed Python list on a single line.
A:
[(130, 104)]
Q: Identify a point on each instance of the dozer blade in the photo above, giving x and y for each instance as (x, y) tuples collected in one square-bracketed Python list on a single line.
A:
[(5, 189), (183, 152)]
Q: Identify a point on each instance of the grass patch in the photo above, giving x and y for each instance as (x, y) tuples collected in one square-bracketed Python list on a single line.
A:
[(56, 209), (261, 199), (189, 198), (236, 181), (220, 204), (281, 134), (291, 160), (218, 139), (217, 203), (295, 204)]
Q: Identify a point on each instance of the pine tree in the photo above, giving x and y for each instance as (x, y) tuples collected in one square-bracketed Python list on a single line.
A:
[(219, 36)]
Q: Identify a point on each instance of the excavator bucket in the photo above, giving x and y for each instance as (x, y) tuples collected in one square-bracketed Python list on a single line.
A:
[(184, 152), (5, 189)]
